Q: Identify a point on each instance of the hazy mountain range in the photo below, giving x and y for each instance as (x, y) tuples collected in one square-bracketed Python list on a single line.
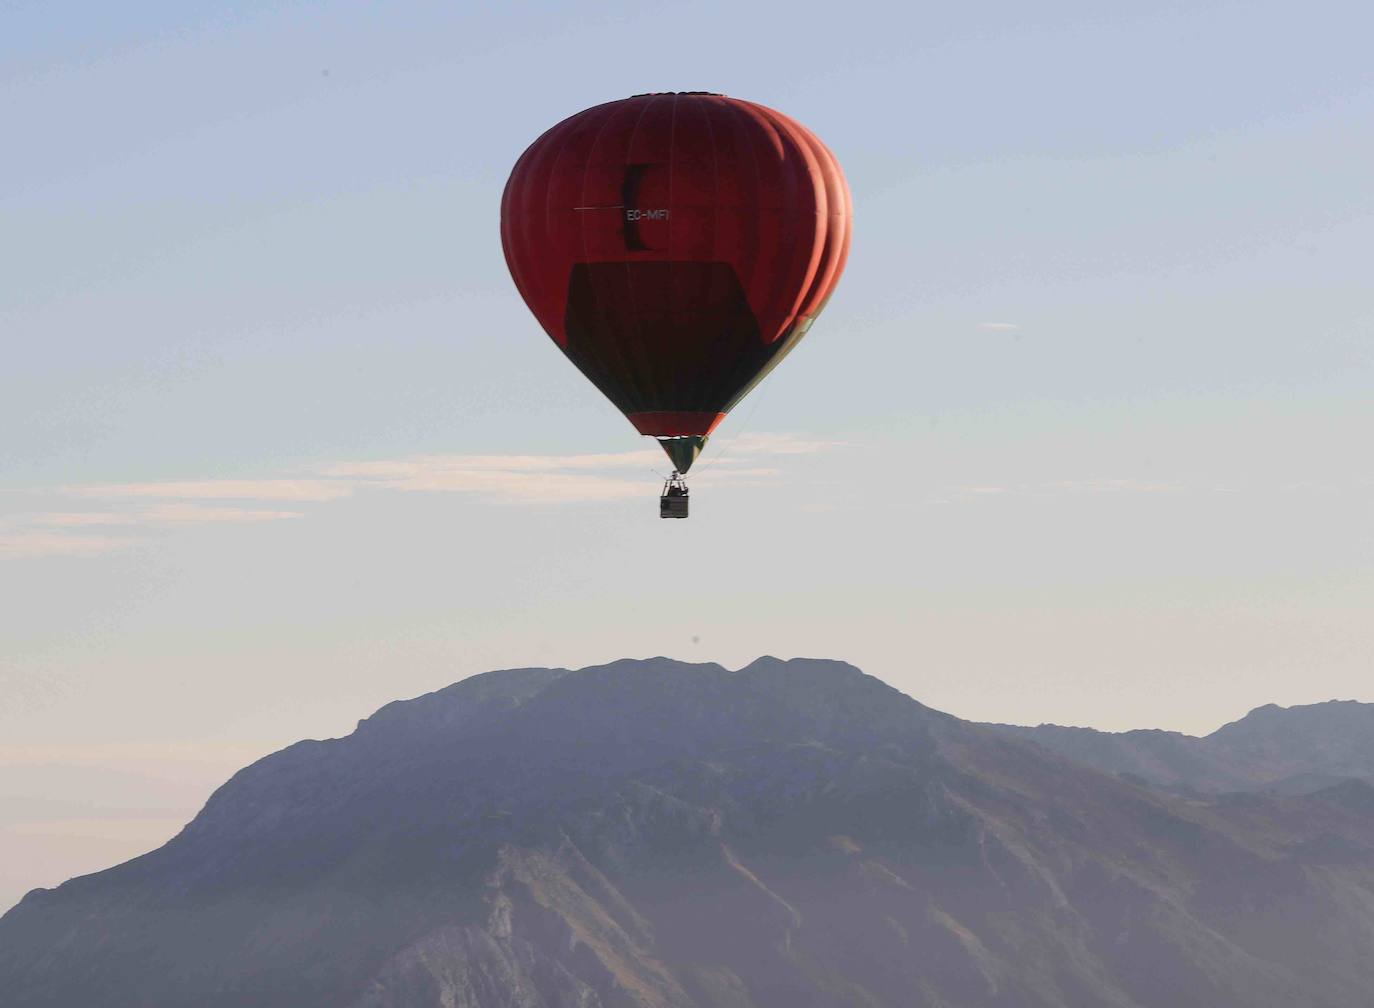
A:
[(1289, 750), (652, 834)]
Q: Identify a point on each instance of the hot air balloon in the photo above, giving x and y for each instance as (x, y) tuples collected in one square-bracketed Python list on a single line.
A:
[(676, 247)]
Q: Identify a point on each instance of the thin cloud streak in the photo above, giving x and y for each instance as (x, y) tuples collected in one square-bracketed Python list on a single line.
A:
[(64, 533), (515, 485), (221, 489), (411, 467), (47, 544), (519, 479), (950, 495), (176, 514), (1114, 486), (775, 444)]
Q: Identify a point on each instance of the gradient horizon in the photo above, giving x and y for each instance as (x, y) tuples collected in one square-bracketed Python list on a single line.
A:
[(1083, 435)]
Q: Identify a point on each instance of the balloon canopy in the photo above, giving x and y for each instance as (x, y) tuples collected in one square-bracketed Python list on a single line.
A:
[(676, 247)]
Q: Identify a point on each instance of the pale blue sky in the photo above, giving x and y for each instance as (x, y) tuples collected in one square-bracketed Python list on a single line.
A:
[(1084, 435)]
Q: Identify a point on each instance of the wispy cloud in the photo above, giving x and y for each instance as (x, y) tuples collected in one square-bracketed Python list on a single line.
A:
[(511, 477), (167, 514), (604, 477), (779, 444), (1110, 485), (455, 475), (30, 543), (1052, 488), (403, 467), (221, 489), (139, 508), (87, 533)]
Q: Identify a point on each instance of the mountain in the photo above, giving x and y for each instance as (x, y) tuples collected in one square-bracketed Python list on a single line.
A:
[(1285, 749), (653, 834)]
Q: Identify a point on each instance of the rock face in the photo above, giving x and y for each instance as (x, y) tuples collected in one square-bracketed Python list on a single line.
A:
[(660, 835), (1282, 749)]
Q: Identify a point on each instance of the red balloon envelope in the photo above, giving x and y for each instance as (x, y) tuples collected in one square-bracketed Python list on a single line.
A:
[(676, 247)]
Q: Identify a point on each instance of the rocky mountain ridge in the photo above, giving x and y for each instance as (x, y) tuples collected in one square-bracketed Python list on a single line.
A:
[(652, 834), (1283, 749)]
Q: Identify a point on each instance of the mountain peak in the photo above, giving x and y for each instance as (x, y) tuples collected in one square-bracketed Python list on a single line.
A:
[(652, 833), (1290, 750), (1328, 712)]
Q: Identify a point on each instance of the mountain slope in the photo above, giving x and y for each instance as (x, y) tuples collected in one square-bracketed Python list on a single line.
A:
[(1285, 749), (661, 835)]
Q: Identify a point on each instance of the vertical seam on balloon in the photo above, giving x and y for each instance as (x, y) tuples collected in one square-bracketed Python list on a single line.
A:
[(673, 398), (822, 233), (708, 118), (560, 133), (816, 179), (644, 373), (842, 219), (777, 123), (586, 255), (508, 246), (713, 274), (745, 126), (826, 230), (840, 223), (538, 152), (512, 219), (768, 295), (625, 364), (784, 262), (820, 196)]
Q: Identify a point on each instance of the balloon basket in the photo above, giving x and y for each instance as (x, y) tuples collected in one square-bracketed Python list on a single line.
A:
[(673, 501)]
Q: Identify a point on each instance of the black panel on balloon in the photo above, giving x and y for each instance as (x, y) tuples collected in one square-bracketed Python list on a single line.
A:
[(664, 336)]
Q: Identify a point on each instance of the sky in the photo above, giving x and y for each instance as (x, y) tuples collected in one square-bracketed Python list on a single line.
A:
[(1083, 436)]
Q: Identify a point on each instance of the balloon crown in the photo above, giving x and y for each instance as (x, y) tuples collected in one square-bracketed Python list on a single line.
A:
[(655, 94)]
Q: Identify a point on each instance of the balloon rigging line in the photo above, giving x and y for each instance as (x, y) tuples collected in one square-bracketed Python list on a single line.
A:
[(744, 426)]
